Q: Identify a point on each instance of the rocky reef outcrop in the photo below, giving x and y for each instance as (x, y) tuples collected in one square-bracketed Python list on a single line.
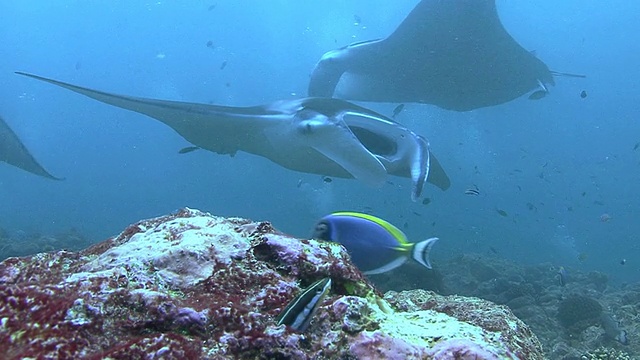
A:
[(568, 320), (195, 286)]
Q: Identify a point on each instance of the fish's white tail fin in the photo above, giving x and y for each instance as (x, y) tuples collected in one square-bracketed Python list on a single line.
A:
[(421, 251)]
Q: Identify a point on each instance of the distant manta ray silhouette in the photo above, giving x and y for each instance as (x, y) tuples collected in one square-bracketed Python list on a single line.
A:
[(454, 54), (312, 135), (13, 152)]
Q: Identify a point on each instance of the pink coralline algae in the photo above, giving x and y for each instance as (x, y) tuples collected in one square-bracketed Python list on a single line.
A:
[(194, 286)]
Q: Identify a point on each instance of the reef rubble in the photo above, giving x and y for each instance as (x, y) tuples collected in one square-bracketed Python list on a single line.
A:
[(195, 286)]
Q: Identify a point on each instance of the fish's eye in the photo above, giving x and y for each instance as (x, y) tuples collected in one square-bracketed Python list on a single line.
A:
[(321, 231), (321, 227)]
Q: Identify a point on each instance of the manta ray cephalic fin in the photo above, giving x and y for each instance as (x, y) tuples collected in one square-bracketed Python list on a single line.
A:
[(335, 140)]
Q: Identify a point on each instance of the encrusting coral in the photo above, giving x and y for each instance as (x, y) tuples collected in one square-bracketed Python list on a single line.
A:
[(194, 286), (578, 312)]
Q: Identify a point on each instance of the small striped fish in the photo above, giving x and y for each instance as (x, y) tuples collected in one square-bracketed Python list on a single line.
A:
[(473, 191), (300, 310)]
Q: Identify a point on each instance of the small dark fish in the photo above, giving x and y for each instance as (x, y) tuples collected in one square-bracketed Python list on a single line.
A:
[(210, 44), (188, 149), (212, 7), (584, 193), (538, 94), (531, 207), (367, 209), (300, 310), (598, 202), (562, 276), (357, 19), (405, 225), (398, 109), (583, 256), (583, 94), (636, 146), (78, 65), (569, 208), (227, 84), (223, 65), (426, 201), (502, 212), (493, 250), (416, 213), (300, 182), (327, 180), (623, 261), (605, 217), (474, 191)]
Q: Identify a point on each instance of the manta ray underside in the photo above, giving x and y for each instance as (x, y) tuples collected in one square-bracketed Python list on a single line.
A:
[(313, 135), (13, 151), (454, 54)]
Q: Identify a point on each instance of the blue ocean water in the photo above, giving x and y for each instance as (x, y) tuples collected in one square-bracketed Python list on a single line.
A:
[(554, 167)]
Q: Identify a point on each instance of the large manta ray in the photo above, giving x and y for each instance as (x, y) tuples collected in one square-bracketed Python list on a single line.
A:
[(451, 53), (313, 135), (13, 151)]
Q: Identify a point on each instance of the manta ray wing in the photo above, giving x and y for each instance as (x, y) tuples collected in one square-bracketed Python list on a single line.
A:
[(221, 129), (454, 54), (13, 151), (437, 175)]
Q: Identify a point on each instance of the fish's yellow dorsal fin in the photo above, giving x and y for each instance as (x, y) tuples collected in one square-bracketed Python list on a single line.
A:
[(397, 233)]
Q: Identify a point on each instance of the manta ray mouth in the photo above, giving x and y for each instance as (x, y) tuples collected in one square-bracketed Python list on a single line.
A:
[(376, 143)]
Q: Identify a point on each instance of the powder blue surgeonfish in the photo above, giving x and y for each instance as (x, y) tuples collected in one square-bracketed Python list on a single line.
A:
[(375, 245)]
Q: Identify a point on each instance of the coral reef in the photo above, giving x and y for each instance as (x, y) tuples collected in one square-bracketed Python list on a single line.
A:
[(22, 243), (603, 353), (577, 312), (194, 286), (534, 294)]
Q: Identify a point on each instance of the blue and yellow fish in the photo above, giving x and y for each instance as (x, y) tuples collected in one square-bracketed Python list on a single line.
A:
[(375, 245)]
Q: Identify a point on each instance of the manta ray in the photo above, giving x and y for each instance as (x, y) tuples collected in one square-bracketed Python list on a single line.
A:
[(13, 151), (323, 136), (454, 54)]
